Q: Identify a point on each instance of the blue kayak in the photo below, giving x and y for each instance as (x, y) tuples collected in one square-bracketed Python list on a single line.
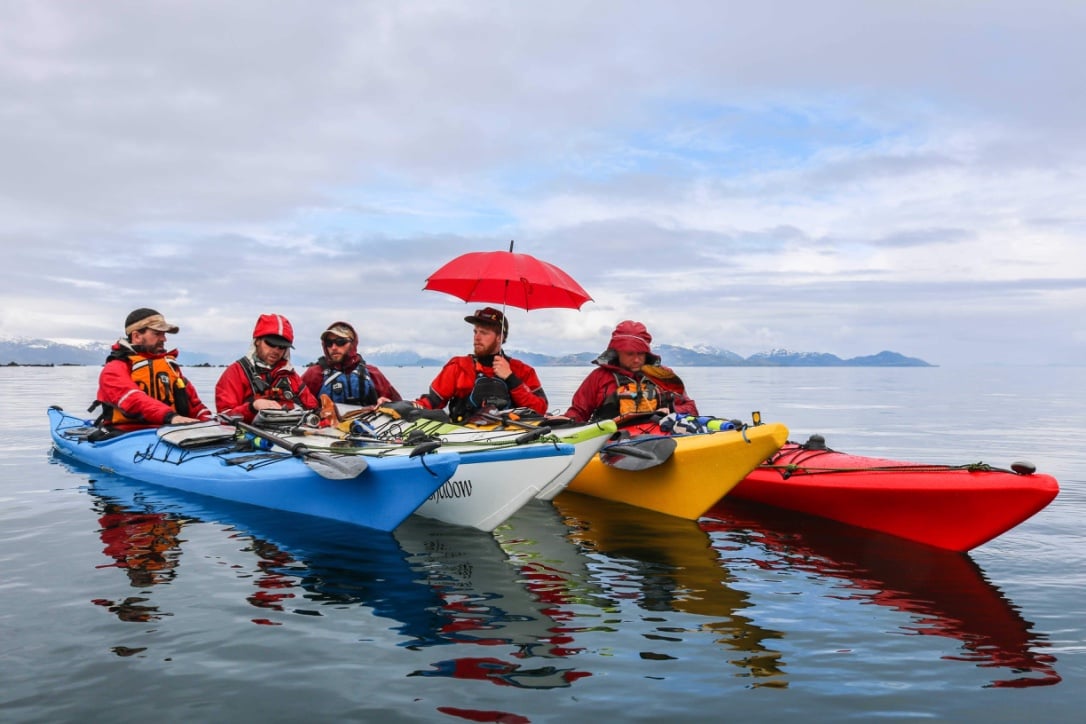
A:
[(377, 493)]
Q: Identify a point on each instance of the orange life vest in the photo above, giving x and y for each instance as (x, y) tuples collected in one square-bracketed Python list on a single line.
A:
[(159, 377), (633, 396)]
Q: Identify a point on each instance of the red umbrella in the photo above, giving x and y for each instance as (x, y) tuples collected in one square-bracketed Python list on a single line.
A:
[(505, 277)]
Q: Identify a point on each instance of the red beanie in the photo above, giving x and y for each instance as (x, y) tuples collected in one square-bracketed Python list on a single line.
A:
[(631, 336)]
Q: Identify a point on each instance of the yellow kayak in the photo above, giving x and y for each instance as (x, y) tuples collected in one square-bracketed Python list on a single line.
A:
[(702, 469)]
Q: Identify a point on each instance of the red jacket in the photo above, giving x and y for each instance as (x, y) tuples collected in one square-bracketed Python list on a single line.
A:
[(600, 385), (116, 388), (234, 391), (456, 380)]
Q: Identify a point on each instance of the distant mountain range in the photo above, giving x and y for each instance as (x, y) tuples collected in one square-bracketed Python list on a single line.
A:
[(711, 357), (46, 352)]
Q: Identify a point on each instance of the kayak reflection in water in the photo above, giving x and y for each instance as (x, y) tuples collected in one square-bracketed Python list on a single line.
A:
[(677, 569), (302, 563), (944, 593)]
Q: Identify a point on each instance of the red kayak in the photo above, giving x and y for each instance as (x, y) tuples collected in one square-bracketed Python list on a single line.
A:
[(957, 507)]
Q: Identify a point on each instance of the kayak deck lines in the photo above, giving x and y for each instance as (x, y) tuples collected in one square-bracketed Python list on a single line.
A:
[(375, 493), (956, 507)]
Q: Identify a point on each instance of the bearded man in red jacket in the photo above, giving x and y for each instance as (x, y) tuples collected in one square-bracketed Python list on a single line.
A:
[(487, 379), (344, 375), (141, 384)]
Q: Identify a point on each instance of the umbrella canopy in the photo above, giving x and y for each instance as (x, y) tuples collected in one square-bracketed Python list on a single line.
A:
[(508, 278)]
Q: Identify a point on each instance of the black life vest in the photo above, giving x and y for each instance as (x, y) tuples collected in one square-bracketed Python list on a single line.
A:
[(488, 393), (269, 384)]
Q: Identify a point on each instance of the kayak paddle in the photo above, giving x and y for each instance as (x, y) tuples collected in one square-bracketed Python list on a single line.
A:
[(332, 467)]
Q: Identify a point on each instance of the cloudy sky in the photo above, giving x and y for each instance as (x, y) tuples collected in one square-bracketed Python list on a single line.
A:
[(837, 176)]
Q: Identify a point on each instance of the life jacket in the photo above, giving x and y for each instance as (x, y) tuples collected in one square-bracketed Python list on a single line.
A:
[(351, 388), (158, 376), (488, 393), (269, 384), (630, 396)]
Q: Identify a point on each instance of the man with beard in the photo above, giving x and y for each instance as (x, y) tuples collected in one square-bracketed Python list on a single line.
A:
[(488, 379), (263, 379), (343, 375), (141, 384)]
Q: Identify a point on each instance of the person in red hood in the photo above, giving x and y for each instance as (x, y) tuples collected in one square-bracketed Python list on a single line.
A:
[(141, 384), (628, 380), (488, 379), (343, 375), (264, 379)]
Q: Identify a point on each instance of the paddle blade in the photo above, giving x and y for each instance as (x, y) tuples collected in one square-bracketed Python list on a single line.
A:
[(639, 453), (335, 467), (332, 467)]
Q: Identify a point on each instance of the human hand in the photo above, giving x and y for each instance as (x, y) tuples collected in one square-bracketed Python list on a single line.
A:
[(182, 420), (266, 404), (501, 367)]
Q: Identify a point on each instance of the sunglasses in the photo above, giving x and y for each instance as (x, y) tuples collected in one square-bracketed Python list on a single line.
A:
[(336, 342), (277, 346)]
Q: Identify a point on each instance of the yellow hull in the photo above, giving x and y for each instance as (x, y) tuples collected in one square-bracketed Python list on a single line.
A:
[(702, 470)]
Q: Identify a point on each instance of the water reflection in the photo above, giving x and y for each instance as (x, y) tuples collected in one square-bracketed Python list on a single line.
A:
[(664, 563), (486, 601), (301, 563), (553, 569), (146, 546), (553, 579), (441, 584), (945, 593)]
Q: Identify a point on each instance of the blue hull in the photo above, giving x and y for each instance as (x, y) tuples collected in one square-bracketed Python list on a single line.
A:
[(381, 497)]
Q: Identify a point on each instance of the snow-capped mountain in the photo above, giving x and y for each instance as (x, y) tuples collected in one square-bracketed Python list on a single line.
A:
[(48, 352)]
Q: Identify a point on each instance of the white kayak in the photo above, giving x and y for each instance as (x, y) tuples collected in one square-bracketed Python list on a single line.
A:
[(502, 430), (496, 477)]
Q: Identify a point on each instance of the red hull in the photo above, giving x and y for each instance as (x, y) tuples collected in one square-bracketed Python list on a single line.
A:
[(952, 507)]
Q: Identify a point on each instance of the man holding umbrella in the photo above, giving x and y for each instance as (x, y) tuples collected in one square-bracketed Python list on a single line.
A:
[(486, 380)]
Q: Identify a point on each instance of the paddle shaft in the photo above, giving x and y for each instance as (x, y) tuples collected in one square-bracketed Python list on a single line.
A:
[(294, 448)]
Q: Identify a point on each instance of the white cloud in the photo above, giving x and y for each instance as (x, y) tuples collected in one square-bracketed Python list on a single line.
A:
[(841, 176)]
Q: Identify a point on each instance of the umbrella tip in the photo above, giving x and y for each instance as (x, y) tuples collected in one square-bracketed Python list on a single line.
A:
[(510, 245)]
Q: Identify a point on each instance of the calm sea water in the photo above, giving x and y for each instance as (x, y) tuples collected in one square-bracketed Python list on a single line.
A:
[(125, 602)]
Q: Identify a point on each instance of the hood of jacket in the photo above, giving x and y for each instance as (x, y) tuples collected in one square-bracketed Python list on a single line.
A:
[(352, 358)]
